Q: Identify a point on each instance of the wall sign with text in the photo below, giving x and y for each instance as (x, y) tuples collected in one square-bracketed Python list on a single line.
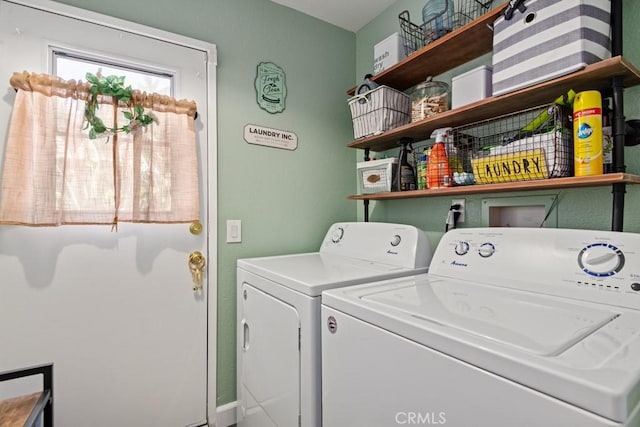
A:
[(271, 88), (269, 137)]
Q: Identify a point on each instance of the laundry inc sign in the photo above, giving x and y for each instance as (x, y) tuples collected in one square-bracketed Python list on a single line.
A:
[(522, 166), (269, 137)]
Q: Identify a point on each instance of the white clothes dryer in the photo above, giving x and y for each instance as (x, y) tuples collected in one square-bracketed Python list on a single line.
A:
[(278, 352), (510, 327)]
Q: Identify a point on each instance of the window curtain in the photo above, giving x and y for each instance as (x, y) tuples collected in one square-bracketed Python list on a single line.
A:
[(53, 174)]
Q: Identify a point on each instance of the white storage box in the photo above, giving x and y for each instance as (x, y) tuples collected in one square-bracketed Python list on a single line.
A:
[(472, 86), (376, 176), (387, 53), (551, 38), (378, 110)]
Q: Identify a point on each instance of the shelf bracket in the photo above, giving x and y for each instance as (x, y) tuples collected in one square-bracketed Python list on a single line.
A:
[(366, 202), (618, 123), (618, 130)]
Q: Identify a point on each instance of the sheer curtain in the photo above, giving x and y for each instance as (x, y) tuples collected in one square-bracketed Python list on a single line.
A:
[(53, 174)]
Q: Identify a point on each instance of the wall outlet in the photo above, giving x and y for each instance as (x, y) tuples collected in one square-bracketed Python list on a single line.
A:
[(461, 203)]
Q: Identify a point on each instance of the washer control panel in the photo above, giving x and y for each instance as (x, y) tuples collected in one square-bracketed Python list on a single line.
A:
[(486, 249), (599, 266), (462, 247), (601, 259), (337, 234)]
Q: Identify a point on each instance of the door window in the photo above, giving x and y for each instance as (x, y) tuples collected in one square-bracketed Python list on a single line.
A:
[(75, 65)]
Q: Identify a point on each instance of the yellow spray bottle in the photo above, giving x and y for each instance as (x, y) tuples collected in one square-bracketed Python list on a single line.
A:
[(587, 133)]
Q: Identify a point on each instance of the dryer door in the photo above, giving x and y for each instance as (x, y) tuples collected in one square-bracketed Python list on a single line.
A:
[(269, 386)]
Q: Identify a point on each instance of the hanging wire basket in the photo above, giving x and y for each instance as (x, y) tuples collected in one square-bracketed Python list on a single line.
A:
[(535, 143), (415, 37)]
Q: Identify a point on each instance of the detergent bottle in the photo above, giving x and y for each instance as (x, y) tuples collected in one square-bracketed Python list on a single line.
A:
[(406, 172), (439, 173), (422, 170)]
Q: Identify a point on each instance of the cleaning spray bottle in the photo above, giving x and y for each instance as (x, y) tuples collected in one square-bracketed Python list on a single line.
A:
[(406, 172), (439, 173)]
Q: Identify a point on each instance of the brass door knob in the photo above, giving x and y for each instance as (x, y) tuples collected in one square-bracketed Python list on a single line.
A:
[(196, 263)]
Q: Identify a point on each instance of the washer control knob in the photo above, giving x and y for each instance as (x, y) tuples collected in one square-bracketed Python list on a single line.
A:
[(601, 259), (337, 234), (486, 250), (395, 240), (635, 286), (462, 247)]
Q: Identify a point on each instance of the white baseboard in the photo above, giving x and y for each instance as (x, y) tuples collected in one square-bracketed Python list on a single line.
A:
[(226, 414)]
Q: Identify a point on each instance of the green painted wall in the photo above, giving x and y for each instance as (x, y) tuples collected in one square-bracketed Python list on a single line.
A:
[(580, 208), (285, 199)]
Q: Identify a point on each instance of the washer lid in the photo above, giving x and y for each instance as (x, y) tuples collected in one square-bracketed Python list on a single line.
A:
[(580, 352), (541, 326), (312, 273)]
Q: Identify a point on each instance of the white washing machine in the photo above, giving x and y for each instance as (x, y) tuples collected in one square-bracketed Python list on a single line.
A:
[(510, 327), (278, 364)]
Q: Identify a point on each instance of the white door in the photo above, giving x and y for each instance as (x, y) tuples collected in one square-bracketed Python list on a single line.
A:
[(114, 311)]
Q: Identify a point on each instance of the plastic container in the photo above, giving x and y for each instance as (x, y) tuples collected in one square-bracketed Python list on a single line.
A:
[(437, 15), (472, 86), (376, 176), (406, 171), (388, 52), (587, 133), (428, 99), (439, 173), (422, 170)]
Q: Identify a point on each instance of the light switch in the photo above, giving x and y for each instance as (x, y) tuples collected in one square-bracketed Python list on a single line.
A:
[(234, 231)]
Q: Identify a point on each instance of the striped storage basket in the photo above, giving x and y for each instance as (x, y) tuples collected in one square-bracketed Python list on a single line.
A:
[(379, 110), (548, 39)]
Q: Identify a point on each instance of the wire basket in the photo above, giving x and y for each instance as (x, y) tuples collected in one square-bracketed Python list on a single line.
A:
[(415, 37), (379, 110), (527, 145)]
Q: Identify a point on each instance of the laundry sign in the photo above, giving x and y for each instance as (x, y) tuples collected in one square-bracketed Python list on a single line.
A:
[(521, 166), (271, 88), (270, 137)]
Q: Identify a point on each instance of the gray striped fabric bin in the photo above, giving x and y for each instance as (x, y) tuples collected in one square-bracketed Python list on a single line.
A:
[(549, 39)]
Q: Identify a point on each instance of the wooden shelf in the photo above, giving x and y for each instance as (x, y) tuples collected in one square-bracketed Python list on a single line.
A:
[(596, 76), (543, 184), (456, 48), (22, 411), (463, 45), (32, 409)]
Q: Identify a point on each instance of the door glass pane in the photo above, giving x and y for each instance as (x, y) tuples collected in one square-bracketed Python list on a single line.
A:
[(71, 66)]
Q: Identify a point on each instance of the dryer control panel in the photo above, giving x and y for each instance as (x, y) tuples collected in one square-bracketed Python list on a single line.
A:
[(598, 266), (395, 244)]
